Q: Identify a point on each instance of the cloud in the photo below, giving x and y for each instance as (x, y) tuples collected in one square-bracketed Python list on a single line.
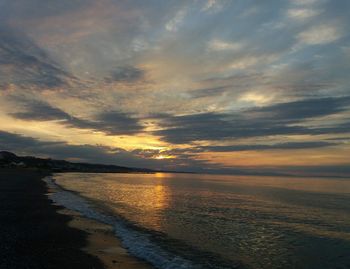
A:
[(115, 122), (112, 122), (304, 2), (220, 45), (10, 141), (209, 92), (61, 150), (256, 97), (302, 13), (38, 111), (173, 24), (24, 64), (303, 109), (248, 147), (24, 145), (29, 9), (213, 6), (320, 34), (126, 74), (215, 81), (280, 119), (278, 146), (209, 4)]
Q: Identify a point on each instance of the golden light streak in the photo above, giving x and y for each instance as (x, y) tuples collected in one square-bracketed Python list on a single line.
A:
[(300, 157), (162, 157)]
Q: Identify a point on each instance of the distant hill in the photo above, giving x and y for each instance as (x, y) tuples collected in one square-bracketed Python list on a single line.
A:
[(9, 159), (9, 156)]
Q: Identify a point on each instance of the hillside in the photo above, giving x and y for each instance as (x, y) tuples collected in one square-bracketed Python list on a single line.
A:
[(9, 159)]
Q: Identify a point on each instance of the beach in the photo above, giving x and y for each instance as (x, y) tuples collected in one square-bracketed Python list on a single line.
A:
[(35, 233)]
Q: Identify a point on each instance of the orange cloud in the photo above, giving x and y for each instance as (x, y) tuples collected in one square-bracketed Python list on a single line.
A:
[(300, 157)]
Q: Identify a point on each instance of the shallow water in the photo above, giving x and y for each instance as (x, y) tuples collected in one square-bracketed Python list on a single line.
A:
[(212, 221)]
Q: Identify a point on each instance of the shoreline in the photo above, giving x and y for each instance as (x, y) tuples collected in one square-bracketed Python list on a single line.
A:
[(32, 233), (37, 233), (102, 241)]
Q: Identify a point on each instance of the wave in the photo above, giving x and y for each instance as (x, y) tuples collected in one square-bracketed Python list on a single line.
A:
[(136, 242)]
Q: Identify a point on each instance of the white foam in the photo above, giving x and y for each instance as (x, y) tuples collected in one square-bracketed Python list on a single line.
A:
[(137, 243)]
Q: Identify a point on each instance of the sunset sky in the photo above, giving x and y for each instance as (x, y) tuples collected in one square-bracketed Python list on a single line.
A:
[(219, 85)]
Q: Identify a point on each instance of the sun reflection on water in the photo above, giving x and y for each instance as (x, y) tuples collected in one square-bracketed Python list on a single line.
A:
[(146, 202)]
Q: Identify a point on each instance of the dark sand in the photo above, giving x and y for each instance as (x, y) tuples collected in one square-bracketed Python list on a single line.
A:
[(103, 244), (32, 233)]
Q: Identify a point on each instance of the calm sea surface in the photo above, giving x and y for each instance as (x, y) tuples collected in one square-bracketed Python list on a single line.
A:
[(211, 221)]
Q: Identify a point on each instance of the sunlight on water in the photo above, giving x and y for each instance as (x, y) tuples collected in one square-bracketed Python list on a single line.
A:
[(263, 222)]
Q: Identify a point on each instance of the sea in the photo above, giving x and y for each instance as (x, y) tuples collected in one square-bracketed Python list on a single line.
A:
[(175, 220)]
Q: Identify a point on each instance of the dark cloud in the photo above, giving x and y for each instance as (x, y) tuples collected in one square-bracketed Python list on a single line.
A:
[(10, 141), (39, 111), (278, 146), (116, 122), (25, 145), (309, 108), (209, 92), (280, 119), (192, 151), (113, 122), (28, 145), (126, 74), (344, 138), (24, 64)]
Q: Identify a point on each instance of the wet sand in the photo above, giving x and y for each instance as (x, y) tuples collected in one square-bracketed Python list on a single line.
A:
[(101, 242), (35, 233)]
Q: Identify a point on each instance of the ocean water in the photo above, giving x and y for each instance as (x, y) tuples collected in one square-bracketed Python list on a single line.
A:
[(213, 221)]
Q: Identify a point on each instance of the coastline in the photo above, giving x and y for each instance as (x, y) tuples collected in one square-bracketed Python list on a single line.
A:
[(102, 242), (36, 233)]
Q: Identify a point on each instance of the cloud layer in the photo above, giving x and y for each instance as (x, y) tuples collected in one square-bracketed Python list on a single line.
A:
[(220, 84), (278, 119)]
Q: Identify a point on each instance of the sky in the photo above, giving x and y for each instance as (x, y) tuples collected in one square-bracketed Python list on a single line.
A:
[(228, 86)]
